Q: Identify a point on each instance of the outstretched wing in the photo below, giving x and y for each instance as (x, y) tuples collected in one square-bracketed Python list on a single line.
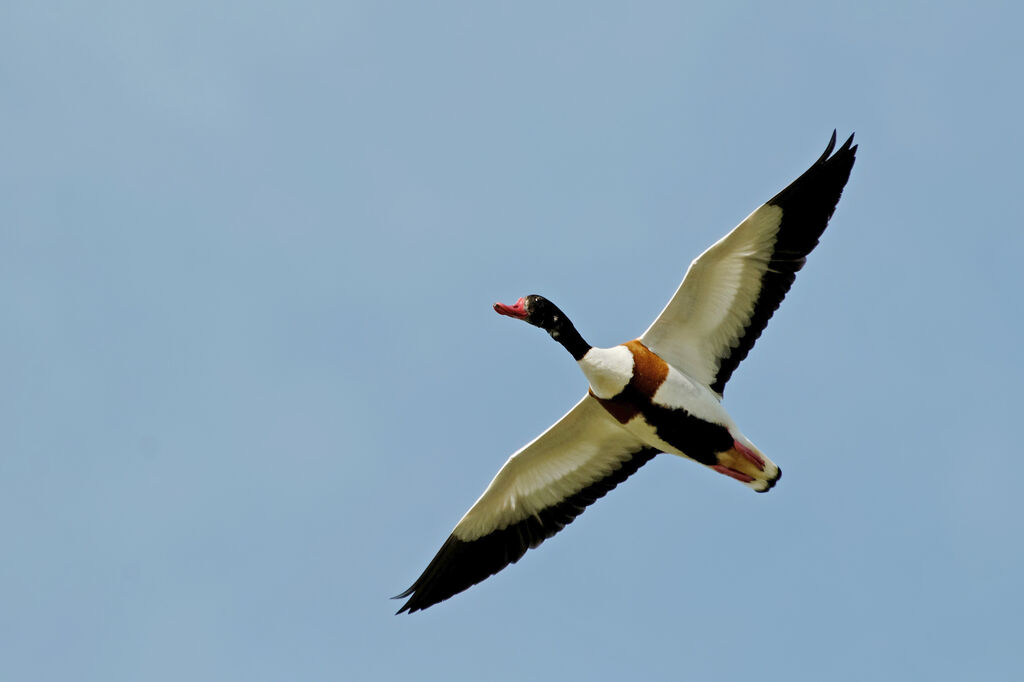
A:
[(541, 489), (731, 290)]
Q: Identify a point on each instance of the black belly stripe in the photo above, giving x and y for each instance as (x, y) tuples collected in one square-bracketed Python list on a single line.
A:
[(700, 440)]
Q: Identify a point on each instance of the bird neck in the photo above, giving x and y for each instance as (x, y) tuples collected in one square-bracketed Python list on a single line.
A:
[(563, 331)]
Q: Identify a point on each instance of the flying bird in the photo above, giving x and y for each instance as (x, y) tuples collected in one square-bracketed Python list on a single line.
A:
[(659, 393)]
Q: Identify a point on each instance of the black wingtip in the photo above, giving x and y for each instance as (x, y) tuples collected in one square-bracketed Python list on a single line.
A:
[(847, 146), (828, 149), (405, 606)]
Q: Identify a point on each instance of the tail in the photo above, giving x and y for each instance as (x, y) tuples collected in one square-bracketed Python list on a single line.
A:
[(747, 464)]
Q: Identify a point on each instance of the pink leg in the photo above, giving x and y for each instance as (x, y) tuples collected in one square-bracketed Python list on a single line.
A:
[(754, 458), (732, 473)]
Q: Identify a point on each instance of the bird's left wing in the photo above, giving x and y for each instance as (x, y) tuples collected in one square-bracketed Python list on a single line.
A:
[(541, 489), (731, 290)]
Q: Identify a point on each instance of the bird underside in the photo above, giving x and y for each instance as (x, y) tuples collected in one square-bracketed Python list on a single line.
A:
[(679, 433)]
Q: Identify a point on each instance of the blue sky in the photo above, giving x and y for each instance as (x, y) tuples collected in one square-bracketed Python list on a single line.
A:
[(250, 377)]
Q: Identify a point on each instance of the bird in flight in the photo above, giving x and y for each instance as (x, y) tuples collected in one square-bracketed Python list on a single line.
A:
[(659, 393)]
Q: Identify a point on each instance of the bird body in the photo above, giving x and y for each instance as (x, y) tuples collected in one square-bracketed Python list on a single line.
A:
[(668, 410), (660, 392)]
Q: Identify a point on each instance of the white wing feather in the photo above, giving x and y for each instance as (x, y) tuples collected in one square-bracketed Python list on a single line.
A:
[(583, 447), (712, 307)]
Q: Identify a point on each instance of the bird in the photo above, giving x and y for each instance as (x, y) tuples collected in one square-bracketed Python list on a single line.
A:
[(658, 393)]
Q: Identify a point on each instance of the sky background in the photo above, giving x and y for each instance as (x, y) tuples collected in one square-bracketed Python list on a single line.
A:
[(250, 376)]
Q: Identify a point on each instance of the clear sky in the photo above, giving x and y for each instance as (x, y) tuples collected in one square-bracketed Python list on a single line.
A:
[(250, 377)]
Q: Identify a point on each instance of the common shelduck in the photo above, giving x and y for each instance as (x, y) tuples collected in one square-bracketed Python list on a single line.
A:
[(658, 393)]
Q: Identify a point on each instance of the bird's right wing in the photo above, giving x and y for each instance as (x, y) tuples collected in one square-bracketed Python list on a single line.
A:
[(541, 489)]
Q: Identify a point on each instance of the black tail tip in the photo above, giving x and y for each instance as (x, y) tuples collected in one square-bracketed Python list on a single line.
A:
[(771, 483)]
